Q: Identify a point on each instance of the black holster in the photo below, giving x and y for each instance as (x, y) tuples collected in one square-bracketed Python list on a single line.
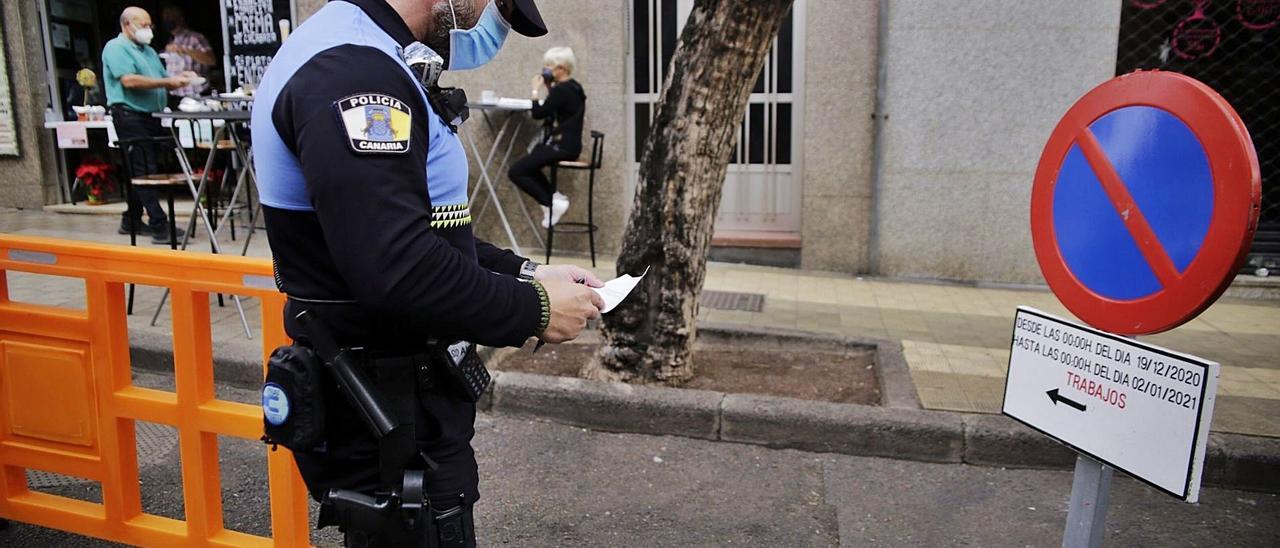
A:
[(398, 513)]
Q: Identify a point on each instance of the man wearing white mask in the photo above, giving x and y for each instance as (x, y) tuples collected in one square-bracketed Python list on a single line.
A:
[(136, 85), (363, 183)]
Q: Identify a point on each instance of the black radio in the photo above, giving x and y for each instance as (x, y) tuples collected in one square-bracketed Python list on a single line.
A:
[(458, 366)]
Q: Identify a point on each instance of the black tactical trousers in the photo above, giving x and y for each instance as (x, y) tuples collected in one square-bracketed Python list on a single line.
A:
[(444, 425)]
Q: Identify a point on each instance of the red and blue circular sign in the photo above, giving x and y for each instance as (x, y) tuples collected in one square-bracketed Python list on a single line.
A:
[(1145, 202)]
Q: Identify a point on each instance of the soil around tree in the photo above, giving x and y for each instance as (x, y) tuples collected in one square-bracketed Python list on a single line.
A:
[(845, 375)]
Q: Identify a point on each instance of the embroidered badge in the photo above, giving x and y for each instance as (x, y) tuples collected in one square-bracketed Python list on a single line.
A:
[(376, 123)]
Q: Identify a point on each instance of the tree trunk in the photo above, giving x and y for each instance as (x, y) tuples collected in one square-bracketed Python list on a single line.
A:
[(649, 337)]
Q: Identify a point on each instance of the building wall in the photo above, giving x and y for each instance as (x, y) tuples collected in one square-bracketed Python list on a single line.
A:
[(972, 91), (28, 180), (304, 8), (839, 102)]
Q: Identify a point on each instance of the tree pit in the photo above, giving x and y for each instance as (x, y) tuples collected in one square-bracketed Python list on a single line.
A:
[(737, 363)]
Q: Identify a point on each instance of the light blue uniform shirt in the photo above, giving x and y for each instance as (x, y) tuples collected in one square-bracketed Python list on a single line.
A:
[(280, 182), (121, 57)]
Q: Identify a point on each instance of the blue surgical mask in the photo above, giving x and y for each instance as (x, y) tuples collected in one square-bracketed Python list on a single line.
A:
[(478, 45)]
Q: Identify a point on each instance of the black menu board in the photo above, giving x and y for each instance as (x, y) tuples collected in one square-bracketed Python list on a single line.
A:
[(251, 31)]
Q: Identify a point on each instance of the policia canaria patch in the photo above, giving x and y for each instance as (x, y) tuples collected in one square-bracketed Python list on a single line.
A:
[(375, 123)]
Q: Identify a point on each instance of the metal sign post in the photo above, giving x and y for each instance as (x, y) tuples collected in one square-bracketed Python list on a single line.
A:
[(1090, 493), (1144, 204)]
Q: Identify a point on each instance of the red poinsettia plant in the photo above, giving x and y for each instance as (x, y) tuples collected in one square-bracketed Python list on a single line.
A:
[(97, 178)]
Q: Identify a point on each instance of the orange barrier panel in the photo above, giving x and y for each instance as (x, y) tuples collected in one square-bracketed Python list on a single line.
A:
[(68, 404)]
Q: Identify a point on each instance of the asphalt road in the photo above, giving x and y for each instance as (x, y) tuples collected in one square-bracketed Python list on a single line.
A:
[(551, 485)]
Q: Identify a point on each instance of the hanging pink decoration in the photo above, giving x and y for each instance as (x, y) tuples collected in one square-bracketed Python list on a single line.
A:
[(1197, 36), (1258, 14)]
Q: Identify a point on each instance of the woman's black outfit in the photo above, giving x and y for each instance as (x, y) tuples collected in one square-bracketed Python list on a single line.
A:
[(562, 114)]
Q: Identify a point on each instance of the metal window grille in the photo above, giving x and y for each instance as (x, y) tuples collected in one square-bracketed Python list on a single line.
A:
[(761, 190), (1234, 47)]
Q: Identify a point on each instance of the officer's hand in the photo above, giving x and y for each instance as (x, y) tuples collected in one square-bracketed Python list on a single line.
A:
[(572, 304), (567, 273)]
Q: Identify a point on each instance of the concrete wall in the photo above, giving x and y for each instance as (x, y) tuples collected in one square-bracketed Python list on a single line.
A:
[(28, 180), (972, 91), (839, 101), (304, 8)]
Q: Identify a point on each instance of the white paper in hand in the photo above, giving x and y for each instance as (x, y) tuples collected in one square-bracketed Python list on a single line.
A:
[(617, 289)]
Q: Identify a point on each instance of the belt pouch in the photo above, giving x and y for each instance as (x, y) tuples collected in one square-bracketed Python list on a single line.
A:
[(293, 399)]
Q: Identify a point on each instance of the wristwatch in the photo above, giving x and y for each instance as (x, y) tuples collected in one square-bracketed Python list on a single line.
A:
[(527, 270)]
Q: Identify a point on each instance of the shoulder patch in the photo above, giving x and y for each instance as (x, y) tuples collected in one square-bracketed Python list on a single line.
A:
[(375, 123)]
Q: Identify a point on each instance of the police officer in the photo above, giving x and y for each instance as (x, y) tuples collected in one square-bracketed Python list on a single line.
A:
[(363, 184)]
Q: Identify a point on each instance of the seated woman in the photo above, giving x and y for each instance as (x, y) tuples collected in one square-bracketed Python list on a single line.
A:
[(561, 113)]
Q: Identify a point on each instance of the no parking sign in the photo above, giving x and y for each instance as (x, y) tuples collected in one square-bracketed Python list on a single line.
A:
[(1145, 202)]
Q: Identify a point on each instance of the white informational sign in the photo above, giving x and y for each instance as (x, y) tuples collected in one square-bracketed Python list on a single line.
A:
[(72, 136), (60, 34), (1136, 407)]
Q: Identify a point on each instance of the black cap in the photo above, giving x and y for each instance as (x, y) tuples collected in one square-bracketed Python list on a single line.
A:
[(525, 18)]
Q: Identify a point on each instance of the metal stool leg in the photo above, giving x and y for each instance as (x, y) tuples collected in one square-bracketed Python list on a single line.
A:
[(173, 222), (551, 227), (591, 216), (133, 225)]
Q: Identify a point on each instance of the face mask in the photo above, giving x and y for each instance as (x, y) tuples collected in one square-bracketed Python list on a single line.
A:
[(548, 75), (478, 45), (143, 35)]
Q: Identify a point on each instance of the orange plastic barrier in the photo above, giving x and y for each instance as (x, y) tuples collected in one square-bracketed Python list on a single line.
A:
[(68, 405)]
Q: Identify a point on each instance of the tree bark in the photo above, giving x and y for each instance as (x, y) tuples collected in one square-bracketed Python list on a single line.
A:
[(649, 338)]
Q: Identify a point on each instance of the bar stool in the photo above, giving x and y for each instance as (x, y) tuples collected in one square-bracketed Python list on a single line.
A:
[(166, 183), (214, 197), (589, 227)]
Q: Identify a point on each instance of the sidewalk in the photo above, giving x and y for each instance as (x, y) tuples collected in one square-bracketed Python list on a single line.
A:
[(955, 338)]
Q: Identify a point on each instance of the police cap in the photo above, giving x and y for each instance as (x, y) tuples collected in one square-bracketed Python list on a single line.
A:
[(523, 16)]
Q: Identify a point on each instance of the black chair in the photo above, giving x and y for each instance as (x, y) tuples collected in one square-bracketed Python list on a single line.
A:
[(589, 227), (165, 182)]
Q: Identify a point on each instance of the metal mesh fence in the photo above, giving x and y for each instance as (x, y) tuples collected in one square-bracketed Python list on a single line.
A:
[(1234, 47)]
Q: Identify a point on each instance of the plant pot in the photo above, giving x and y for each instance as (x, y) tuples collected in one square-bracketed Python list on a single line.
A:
[(96, 201)]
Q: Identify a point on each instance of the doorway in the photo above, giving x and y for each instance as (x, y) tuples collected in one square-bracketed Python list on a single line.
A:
[(762, 188)]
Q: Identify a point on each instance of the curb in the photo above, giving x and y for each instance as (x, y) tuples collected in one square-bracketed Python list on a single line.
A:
[(1233, 460), (894, 430)]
